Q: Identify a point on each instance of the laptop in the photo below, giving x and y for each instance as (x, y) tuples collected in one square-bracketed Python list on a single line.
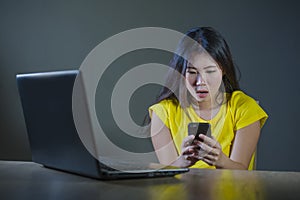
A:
[(46, 100)]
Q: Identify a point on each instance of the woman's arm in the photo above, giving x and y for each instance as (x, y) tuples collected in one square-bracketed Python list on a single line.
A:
[(245, 143), (242, 150), (162, 141), (164, 146)]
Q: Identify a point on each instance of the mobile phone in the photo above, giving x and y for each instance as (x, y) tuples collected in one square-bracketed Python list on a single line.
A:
[(197, 128)]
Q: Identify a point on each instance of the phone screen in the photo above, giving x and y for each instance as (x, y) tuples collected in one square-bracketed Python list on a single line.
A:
[(197, 128)]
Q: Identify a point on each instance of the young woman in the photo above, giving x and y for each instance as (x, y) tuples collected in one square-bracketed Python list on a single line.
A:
[(209, 92)]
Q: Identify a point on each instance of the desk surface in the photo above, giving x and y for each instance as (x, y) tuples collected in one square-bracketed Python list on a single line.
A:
[(27, 180)]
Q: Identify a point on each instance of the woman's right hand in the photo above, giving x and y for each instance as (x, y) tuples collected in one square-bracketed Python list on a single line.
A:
[(188, 156)]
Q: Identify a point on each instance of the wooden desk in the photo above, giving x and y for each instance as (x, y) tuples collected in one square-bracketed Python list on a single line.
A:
[(27, 180)]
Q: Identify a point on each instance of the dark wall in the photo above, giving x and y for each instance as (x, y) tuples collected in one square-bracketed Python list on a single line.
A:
[(44, 35)]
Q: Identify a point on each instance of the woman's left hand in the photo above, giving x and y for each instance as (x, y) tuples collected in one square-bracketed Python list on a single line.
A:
[(211, 151)]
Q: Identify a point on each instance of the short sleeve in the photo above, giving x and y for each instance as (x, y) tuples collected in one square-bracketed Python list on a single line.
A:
[(246, 111), (160, 110)]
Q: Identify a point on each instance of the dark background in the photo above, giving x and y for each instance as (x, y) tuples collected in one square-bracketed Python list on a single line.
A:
[(47, 35)]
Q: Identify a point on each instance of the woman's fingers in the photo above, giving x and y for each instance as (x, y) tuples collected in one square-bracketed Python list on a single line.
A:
[(210, 151), (187, 141), (212, 142), (206, 149), (189, 150)]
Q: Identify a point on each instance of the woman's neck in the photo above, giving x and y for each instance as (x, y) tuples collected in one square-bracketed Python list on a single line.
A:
[(207, 109)]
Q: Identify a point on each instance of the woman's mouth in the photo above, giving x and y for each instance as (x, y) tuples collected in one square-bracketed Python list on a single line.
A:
[(202, 93)]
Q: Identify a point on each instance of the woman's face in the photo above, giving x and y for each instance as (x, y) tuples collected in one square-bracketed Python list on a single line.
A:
[(203, 77)]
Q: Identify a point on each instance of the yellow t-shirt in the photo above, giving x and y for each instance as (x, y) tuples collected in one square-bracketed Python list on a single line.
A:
[(240, 111)]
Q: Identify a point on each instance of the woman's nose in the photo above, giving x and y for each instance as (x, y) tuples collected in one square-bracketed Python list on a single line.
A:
[(200, 79)]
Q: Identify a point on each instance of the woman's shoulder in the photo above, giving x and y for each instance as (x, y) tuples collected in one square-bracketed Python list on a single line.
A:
[(240, 96), (163, 108), (166, 103), (246, 109)]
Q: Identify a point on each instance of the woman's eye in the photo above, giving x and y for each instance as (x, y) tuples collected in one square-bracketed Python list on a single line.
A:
[(191, 72), (210, 71)]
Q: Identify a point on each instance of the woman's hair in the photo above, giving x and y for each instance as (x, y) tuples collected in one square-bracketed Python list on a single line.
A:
[(215, 45)]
